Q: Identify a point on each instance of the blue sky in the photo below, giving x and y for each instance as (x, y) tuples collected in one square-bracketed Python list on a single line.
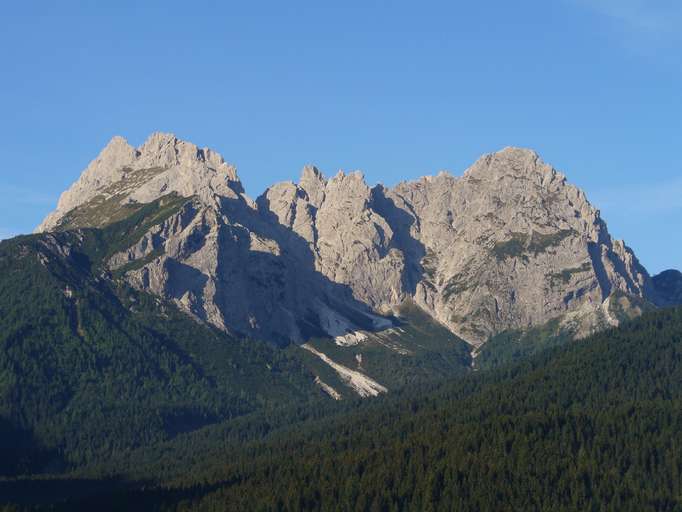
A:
[(396, 89)]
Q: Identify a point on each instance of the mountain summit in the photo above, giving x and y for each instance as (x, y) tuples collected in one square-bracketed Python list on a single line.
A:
[(508, 245), (163, 164)]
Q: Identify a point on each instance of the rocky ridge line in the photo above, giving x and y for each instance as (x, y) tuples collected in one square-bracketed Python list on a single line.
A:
[(508, 245)]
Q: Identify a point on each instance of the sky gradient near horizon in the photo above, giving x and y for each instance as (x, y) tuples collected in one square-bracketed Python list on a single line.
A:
[(396, 89)]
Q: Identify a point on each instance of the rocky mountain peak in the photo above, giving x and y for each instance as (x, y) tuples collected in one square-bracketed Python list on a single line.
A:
[(161, 165), (508, 245), (166, 150), (117, 152), (353, 182), (513, 162), (313, 183), (311, 174)]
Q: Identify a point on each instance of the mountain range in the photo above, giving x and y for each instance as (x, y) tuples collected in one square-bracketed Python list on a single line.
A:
[(160, 319), (509, 246)]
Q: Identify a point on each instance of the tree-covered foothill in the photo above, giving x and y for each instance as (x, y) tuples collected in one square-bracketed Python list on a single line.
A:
[(593, 425), (89, 367)]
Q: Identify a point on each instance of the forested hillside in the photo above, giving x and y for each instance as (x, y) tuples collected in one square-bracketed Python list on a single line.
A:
[(89, 367), (593, 425)]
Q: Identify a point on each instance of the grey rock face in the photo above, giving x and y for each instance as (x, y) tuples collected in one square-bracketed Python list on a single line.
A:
[(166, 165), (510, 244)]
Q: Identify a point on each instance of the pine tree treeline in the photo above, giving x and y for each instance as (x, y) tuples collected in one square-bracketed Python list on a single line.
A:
[(595, 425)]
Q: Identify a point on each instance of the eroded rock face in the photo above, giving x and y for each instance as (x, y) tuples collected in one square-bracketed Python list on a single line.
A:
[(509, 244)]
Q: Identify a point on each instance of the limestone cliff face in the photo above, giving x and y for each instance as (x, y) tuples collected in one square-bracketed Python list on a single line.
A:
[(510, 244)]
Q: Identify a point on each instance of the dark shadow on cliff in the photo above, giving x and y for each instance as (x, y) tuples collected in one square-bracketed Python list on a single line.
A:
[(287, 278), (598, 266), (184, 279), (401, 223), (618, 265)]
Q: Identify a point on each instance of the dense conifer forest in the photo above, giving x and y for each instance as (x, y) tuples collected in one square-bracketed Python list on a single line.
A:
[(592, 425), (89, 367)]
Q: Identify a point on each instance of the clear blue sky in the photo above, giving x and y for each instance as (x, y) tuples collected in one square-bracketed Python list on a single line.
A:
[(396, 89)]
